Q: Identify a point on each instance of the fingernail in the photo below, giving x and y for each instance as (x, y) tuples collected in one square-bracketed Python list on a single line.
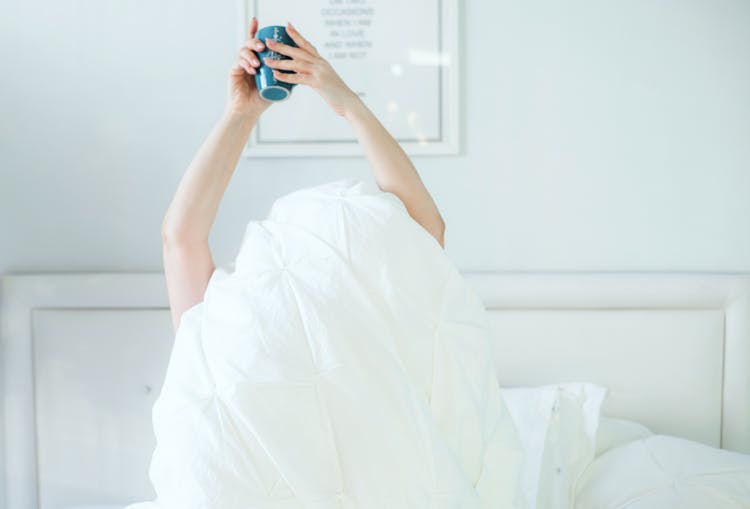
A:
[(255, 62), (259, 46)]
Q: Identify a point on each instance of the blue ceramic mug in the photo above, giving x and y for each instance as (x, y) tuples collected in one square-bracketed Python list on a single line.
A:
[(269, 87)]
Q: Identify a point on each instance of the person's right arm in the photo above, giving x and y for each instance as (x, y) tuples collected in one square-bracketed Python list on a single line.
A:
[(392, 168), (188, 263)]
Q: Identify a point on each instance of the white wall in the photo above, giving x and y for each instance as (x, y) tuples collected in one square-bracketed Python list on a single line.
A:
[(597, 135)]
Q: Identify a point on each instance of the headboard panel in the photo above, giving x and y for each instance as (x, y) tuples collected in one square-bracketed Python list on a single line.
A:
[(673, 348), (652, 361)]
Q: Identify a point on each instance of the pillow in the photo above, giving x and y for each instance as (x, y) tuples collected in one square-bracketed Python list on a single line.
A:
[(613, 432), (666, 472), (557, 427)]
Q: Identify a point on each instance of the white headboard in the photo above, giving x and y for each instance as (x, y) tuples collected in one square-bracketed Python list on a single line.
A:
[(672, 348), (84, 355)]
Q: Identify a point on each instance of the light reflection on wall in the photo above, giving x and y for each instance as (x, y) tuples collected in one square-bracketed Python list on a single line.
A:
[(412, 119), (417, 57), (422, 57)]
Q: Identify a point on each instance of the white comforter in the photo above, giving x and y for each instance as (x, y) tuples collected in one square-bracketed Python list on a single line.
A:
[(340, 361)]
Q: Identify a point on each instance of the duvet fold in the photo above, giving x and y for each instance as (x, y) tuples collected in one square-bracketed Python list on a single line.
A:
[(340, 361)]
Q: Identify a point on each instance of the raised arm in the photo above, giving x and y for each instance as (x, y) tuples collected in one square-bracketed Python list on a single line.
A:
[(392, 168), (188, 264)]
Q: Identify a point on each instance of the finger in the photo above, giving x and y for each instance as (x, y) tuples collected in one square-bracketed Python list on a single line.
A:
[(251, 57), (253, 27), (299, 40), (247, 67), (290, 51), (254, 44), (289, 65), (289, 78)]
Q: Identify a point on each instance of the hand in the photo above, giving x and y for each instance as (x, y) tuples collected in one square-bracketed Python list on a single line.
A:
[(244, 98), (311, 69)]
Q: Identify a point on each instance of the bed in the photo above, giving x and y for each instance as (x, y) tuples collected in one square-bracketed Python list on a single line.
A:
[(670, 350)]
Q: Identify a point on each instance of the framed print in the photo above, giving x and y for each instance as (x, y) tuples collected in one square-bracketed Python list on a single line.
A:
[(400, 58)]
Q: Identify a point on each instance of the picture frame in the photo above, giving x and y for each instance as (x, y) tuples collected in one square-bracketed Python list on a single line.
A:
[(400, 58)]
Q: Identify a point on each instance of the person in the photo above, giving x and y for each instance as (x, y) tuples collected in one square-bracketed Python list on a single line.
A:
[(188, 263)]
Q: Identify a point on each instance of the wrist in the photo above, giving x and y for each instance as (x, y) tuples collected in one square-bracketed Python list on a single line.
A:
[(251, 109), (240, 118), (354, 107)]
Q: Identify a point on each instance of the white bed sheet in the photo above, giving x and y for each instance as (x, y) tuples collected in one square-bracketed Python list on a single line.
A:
[(572, 457), (626, 464), (340, 361)]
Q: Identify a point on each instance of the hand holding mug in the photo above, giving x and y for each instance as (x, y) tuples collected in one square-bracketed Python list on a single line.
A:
[(243, 94), (309, 69)]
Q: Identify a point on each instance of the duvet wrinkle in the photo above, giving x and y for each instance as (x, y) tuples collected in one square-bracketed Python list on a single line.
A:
[(313, 234)]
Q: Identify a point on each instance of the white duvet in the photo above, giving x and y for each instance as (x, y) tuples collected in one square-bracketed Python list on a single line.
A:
[(340, 361)]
